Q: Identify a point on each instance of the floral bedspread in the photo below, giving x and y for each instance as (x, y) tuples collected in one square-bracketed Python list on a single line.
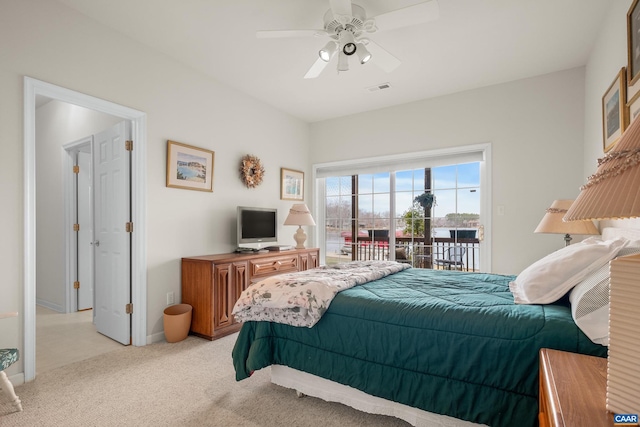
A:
[(301, 298)]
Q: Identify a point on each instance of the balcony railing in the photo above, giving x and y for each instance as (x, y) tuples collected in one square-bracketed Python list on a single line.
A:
[(441, 253)]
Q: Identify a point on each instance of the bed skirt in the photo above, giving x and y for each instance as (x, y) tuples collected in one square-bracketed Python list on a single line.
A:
[(330, 391)]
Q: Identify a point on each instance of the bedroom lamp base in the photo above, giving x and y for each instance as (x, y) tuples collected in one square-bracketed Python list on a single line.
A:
[(300, 237)]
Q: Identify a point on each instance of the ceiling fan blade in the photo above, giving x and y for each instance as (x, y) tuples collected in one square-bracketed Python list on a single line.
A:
[(383, 59), (341, 7), (316, 69), (407, 16), (276, 34)]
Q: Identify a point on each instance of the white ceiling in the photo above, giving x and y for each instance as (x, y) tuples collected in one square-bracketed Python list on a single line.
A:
[(474, 43)]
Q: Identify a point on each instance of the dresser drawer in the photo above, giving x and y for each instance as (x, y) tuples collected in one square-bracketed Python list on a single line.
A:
[(261, 268)]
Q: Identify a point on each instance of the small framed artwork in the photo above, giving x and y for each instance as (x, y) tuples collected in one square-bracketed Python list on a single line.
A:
[(291, 184), (614, 111), (633, 108), (633, 43), (189, 167)]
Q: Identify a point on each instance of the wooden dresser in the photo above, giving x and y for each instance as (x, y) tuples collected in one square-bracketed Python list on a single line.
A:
[(211, 284), (573, 389)]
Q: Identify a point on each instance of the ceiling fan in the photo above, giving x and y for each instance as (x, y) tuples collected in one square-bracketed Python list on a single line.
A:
[(346, 24)]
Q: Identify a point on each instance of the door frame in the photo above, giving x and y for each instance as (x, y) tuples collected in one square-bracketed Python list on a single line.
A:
[(71, 199), (32, 88)]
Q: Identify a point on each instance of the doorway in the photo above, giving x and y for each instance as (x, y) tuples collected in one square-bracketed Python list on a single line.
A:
[(34, 89)]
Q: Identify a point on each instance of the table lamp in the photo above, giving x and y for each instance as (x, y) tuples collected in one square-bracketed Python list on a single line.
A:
[(299, 215), (613, 192), (553, 223)]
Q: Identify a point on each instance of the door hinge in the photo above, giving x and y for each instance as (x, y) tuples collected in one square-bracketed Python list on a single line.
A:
[(76, 285), (129, 308), (129, 227), (76, 227), (76, 169), (128, 145)]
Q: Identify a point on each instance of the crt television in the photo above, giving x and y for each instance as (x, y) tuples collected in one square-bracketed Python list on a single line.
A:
[(257, 225)]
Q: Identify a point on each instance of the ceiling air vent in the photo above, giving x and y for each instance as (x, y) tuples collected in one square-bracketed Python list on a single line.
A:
[(376, 88)]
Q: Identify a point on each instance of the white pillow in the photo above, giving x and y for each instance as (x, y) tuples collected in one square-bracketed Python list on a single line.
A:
[(590, 301), (548, 279)]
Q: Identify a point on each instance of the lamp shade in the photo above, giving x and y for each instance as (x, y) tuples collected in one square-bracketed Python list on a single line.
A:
[(299, 214), (614, 190), (553, 222)]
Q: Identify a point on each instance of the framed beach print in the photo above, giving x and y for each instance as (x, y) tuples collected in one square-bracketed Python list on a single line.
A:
[(291, 184), (614, 111), (633, 108), (189, 167), (633, 43)]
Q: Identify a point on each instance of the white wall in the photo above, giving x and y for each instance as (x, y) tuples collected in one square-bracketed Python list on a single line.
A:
[(50, 42), (535, 127), (57, 124), (608, 56)]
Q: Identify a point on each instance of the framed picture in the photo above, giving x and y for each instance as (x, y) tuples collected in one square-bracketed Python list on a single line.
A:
[(291, 184), (189, 167), (633, 43), (614, 111), (633, 108)]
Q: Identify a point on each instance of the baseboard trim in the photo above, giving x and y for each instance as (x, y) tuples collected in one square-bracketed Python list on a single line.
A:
[(157, 337), (50, 305)]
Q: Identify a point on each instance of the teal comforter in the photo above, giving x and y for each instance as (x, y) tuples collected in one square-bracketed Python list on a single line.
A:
[(446, 342)]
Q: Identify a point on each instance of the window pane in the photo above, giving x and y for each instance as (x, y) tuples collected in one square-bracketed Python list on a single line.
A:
[(381, 183), (404, 201), (365, 184), (469, 175), (332, 207), (338, 207), (332, 186), (365, 206), (404, 181), (469, 200), (345, 185), (410, 180), (445, 204), (418, 180), (381, 204), (444, 177)]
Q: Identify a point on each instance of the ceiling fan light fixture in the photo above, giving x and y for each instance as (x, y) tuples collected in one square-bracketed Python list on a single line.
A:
[(327, 52), (343, 62), (347, 42), (363, 53)]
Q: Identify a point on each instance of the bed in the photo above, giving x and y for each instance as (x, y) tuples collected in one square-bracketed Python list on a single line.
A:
[(431, 347)]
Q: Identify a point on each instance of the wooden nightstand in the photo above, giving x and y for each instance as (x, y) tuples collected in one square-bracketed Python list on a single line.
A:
[(573, 389)]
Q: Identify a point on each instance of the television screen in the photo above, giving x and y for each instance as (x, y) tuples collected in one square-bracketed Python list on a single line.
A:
[(257, 225)]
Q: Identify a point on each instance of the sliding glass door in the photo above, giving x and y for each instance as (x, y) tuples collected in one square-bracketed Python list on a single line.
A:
[(379, 216)]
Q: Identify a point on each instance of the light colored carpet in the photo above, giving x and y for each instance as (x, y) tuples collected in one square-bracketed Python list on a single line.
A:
[(189, 383)]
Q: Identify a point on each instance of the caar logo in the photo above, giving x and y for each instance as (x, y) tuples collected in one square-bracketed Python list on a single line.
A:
[(625, 419)]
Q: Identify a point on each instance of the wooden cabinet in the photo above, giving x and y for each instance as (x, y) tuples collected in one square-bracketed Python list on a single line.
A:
[(211, 284), (573, 390)]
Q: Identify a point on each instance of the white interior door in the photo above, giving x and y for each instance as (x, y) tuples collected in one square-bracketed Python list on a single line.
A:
[(85, 232), (112, 212)]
